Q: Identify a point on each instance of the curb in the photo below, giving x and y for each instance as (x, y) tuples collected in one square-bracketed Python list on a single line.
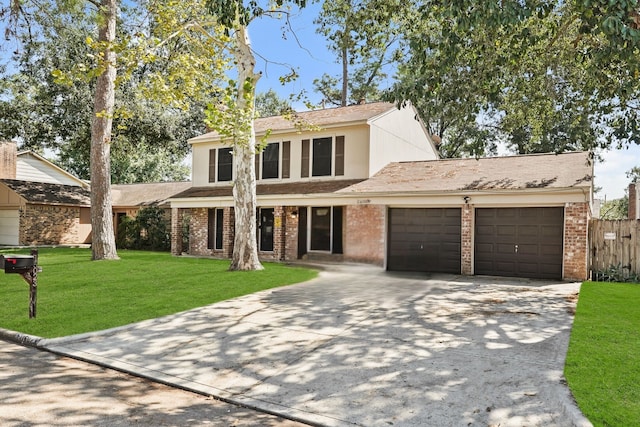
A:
[(23, 339)]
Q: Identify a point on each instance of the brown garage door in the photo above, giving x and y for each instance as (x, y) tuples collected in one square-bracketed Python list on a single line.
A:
[(519, 242), (424, 240)]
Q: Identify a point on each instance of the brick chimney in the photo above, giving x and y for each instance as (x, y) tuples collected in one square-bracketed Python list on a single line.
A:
[(8, 159), (634, 203)]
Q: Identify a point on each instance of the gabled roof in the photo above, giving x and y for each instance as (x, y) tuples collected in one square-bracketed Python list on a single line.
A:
[(538, 171), (353, 114), (145, 194), (49, 194), (313, 187)]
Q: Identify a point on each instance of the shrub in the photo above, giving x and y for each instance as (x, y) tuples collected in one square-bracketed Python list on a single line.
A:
[(149, 230)]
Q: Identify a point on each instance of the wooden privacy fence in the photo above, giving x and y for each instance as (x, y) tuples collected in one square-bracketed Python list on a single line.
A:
[(614, 248)]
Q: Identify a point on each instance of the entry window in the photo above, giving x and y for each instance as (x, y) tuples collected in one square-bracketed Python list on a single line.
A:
[(225, 164), (265, 230), (322, 154), (215, 228), (270, 161)]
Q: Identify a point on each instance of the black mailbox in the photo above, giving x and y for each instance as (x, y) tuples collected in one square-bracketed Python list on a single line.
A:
[(17, 263)]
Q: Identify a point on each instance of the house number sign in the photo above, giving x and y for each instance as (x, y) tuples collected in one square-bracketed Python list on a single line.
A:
[(609, 236)]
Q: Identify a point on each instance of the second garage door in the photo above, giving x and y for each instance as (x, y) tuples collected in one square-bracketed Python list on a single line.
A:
[(519, 242), (424, 240)]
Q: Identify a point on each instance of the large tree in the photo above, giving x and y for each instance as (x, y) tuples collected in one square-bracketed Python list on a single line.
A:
[(160, 43), (148, 142), (538, 75), (233, 118), (365, 37)]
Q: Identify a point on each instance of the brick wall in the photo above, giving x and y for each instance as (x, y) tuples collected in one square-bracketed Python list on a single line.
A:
[(364, 239), (177, 216), (467, 240), (576, 241), (50, 225), (199, 233), (290, 224)]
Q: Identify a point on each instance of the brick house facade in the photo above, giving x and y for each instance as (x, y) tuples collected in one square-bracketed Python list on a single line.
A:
[(369, 206)]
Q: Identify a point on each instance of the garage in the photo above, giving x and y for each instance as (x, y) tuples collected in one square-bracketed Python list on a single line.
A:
[(9, 227), (519, 242), (425, 240)]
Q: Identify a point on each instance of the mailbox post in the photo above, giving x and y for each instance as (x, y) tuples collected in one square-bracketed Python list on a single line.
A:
[(27, 267)]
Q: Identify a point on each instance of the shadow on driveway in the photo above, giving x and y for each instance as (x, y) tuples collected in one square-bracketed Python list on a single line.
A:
[(358, 346)]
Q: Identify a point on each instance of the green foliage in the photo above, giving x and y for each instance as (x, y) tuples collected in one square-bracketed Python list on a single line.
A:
[(615, 209), (364, 35), (149, 138), (527, 72), (602, 359), (77, 295), (149, 230), (634, 174), (616, 273), (270, 104)]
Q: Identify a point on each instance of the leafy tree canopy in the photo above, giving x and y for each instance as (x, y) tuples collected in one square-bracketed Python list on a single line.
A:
[(46, 97), (539, 76)]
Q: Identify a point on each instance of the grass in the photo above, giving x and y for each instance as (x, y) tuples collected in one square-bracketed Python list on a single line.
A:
[(602, 366), (77, 295)]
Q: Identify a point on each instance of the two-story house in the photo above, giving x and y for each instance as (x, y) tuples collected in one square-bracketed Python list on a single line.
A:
[(364, 183)]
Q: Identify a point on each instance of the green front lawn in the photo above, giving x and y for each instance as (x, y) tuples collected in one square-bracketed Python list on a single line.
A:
[(603, 361), (77, 295)]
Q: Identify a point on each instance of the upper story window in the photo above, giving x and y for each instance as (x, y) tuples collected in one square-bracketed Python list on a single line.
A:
[(274, 161), (322, 150), (225, 164), (326, 156), (220, 161), (271, 161)]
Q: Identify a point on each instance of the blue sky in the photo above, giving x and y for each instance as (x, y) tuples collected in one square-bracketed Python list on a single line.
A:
[(308, 54)]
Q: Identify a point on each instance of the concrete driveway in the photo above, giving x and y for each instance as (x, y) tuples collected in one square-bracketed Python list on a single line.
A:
[(358, 346)]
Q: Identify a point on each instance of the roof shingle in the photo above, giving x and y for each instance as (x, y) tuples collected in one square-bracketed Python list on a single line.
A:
[(314, 187), (325, 117), (568, 170), (51, 194)]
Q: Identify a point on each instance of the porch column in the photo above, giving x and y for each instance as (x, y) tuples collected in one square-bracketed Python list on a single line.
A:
[(467, 240), (176, 231)]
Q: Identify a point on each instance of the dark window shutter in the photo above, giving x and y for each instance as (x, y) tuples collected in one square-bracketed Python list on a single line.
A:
[(257, 165), (211, 228), (219, 227), (304, 173), (212, 165), (339, 155), (286, 159)]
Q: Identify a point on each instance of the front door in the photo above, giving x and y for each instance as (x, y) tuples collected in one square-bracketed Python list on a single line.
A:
[(266, 230)]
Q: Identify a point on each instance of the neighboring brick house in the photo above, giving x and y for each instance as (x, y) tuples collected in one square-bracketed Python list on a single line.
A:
[(42, 204), (366, 185)]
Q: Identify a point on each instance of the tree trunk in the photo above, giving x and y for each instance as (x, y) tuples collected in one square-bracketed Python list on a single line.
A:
[(103, 239), (245, 248), (345, 75)]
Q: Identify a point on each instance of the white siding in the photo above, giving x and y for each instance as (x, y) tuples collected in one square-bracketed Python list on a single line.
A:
[(30, 168), (397, 136)]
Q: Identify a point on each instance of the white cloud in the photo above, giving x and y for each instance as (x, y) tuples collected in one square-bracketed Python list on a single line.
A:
[(611, 173)]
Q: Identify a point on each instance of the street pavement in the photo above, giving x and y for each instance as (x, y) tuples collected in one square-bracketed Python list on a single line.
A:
[(362, 347), (38, 388)]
